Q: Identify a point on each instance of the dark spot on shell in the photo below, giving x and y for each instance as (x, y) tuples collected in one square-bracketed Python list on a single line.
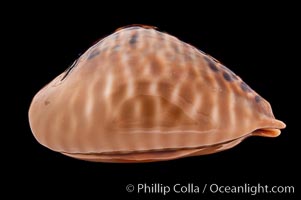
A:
[(231, 74), (94, 53), (211, 64), (257, 98), (46, 102), (133, 39), (227, 77), (245, 87)]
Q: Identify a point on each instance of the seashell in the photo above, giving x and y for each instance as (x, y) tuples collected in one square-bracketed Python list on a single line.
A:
[(140, 95)]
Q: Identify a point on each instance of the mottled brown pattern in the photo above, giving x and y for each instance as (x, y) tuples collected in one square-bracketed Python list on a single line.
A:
[(140, 95)]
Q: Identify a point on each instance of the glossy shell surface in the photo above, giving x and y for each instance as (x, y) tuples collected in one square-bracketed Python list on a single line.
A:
[(140, 95)]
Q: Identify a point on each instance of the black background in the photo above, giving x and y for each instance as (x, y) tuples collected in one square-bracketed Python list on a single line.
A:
[(253, 41)]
